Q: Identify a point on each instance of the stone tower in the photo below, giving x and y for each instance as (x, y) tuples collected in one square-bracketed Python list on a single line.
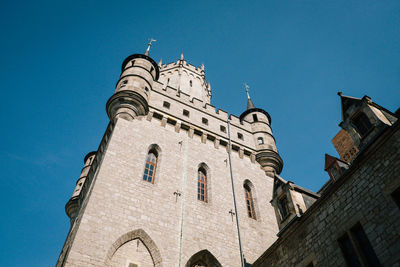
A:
[(157, 191)]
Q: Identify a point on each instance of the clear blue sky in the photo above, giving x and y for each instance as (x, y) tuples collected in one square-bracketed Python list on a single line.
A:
[(60, 61)]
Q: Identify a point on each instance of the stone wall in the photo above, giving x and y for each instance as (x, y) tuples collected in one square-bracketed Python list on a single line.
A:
[(121, 202), (362, 195)]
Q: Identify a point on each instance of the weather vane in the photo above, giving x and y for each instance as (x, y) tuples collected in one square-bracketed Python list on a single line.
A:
[(151, 40), (247, 90)]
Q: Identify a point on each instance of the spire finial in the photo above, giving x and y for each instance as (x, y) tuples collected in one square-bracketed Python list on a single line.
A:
[(250, 104), (151, 40), (181, 55), (247, 90)]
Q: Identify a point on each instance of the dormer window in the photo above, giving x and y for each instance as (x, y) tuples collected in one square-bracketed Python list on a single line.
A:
[(283, 207), (362, 123)]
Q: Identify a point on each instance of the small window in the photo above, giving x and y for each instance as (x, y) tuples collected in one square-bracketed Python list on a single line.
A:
[(151, 69), (133, 62), (168, 81), (146, 89), (185, 113), (204, 121), (191, 83), (260, 140), (166, 104), (240, 136), (222, 128), (249, 202), (362, 123), (255, 119), (283, 207), (125, 82)]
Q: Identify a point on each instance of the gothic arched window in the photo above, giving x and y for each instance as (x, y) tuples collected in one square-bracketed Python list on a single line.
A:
[(150, 167), (249, 201), (202, 184)]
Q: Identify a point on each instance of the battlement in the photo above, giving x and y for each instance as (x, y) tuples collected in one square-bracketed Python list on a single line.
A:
[(183, 63)]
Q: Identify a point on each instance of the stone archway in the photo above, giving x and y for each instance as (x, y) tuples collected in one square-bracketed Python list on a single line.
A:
[(144, 238), (203, 258)]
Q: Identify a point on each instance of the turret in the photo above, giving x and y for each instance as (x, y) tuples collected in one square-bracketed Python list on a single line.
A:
[(72, 206), (132, 92), (362, 121), (266, 152)]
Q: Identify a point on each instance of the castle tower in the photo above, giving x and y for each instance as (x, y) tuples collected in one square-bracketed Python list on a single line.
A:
[(132, 92), (267, 154), (157, 191)]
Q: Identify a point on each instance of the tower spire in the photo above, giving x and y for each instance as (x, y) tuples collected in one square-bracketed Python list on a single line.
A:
[(250, 104), (151, 40)]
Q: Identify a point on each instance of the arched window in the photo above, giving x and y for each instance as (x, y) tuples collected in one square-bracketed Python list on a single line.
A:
[(150, 167), (202, 184), (249, 202)]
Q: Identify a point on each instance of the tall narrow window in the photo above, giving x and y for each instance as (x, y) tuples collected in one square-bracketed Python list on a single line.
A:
[(150, 167), (283, 207), (362, 124), (365, 246), (249, 202), (202, 185), (255, 119), (349, 252)]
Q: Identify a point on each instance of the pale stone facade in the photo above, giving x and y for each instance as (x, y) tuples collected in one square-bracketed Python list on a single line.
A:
[(118, 218)]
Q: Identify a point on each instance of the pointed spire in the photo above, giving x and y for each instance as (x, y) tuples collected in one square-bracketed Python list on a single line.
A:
[(160, 63), (250, 104), (181, 56), (346, 102), (151, 40)]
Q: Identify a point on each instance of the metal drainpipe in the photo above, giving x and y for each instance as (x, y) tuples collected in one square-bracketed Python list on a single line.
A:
[(233, 192), (183, 198)]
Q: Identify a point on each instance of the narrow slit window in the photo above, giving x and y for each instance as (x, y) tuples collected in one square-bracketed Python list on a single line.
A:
[(202, 185), (150, 167), (249, 202), (255, 119), (283, 207), (191, 83)]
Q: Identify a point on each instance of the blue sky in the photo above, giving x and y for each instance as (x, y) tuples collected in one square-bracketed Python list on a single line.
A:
[(60, 61)]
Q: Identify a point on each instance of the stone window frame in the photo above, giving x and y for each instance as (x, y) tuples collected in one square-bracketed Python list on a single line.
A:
[(207, 187), (348, 232), (254, 203), (279, 200), (154, 149)]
